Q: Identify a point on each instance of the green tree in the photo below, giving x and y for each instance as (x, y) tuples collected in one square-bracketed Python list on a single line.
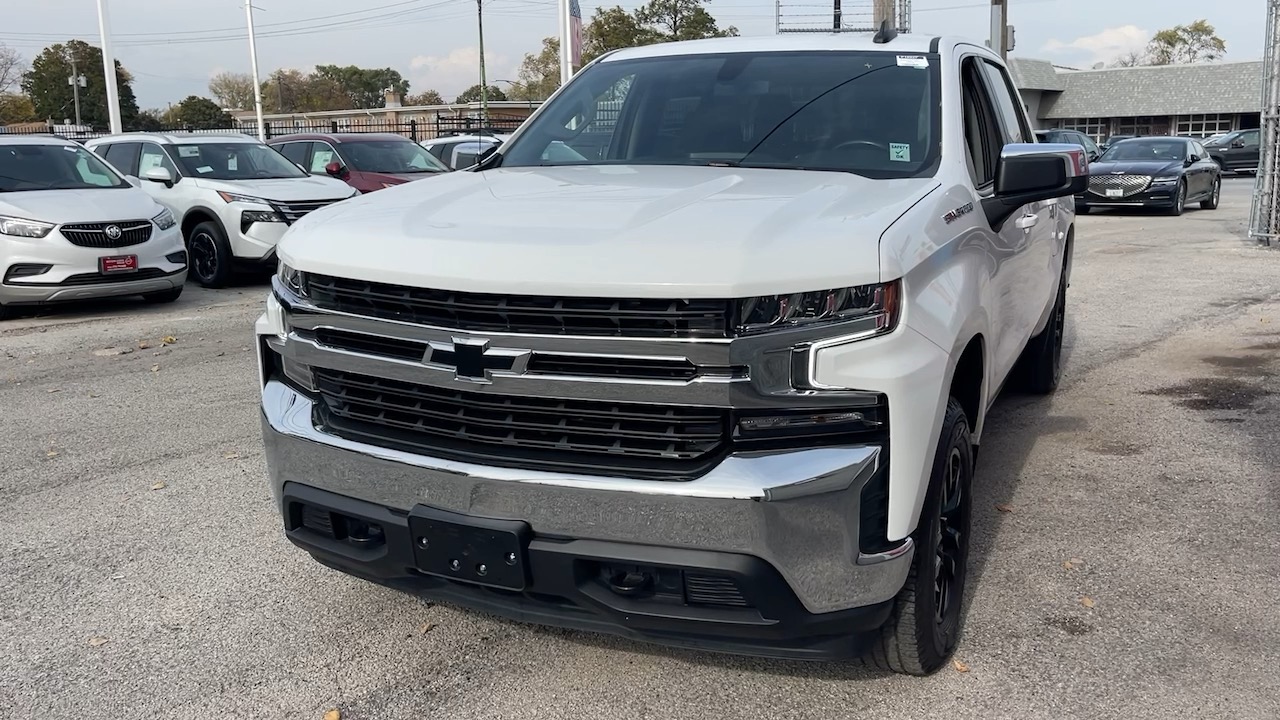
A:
[(151, 120), (1186, 44), (46, 84), (472, 94), (232, 90), (365, 87), (16, 108), (655, 22), (426, 97), (539, 74), (290, 91), (197, 112)]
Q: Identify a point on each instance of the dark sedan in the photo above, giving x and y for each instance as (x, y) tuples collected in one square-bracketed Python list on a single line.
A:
[(1153, 172)]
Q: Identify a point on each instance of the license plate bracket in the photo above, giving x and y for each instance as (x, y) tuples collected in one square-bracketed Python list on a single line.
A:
[(473, 549), (1114, 192), (117, 264)]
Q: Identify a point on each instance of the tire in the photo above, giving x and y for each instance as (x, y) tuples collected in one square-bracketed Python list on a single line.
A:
[(210, 255), (5, 313), (1212, 202), (1180, 201), (924, 627), (164, 296), (1040, 367)]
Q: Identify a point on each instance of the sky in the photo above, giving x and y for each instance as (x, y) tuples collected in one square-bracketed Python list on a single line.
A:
[(173, 47)]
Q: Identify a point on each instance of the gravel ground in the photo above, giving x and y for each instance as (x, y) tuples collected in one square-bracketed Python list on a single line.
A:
[(143, 573)]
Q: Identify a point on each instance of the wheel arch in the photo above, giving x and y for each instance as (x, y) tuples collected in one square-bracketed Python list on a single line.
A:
[(197, 215)]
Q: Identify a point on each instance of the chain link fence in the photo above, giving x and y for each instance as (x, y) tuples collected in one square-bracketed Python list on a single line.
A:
[(1264, 221)]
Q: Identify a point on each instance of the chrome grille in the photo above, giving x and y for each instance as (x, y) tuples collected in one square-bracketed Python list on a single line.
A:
[(94, 235), (1128, 185), (521, 313), (576, 435), (293, 211)]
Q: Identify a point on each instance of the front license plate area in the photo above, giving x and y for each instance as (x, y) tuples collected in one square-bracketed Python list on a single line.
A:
[(118, 264), (472, 549), (1114, 193)]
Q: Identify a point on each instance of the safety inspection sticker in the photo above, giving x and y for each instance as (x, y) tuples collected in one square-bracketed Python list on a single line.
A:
[(913, 61), (900, 152)]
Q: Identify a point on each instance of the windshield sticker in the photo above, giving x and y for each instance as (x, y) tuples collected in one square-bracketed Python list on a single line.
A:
[(913, 61), (204, 169), (899, 152), (188, 151)]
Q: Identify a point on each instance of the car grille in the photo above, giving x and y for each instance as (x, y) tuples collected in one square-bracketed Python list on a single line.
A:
[(294, 210), (99, 279), (1127, 184), (521, 313), (94, 235), (575, 435)]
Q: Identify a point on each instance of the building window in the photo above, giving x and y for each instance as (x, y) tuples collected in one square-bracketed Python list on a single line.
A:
[(1140, 126), (1096, 128), (1202, 126)]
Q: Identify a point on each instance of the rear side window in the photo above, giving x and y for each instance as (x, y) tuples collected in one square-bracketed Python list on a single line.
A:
[(124, 156), (295, 151)]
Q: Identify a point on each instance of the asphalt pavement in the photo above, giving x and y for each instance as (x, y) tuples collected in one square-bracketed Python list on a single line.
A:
[(1127, 554)]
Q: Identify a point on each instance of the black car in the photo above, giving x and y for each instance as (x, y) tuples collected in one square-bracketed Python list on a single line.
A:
[(1071, 137), (1239, 151), (1153, 172)]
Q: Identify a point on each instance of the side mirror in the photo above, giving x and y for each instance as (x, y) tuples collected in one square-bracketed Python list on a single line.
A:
[(335, 169), (1030, 173), (1192, 159), (160, 175), (486, 155), (1237, 144)]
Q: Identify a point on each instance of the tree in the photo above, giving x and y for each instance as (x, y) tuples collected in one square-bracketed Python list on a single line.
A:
[(655, 22), (1132, 58), (290, 91), (365, 87), (11, 68), (16, 108), (151, 120), (197, 112), (46, 84), (426, 97), (472, 94), (1186, 44), (232, 90), (539, 74)]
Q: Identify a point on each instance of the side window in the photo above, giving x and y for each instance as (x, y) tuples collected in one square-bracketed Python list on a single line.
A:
[(981, 134), (1251, 138), (296, 152), (439, 150), (1199, 150), (1004, 97), (153, 155), (321, 155), (124, 156)]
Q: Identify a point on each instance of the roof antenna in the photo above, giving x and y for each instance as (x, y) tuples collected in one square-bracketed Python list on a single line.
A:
[(885, 33)]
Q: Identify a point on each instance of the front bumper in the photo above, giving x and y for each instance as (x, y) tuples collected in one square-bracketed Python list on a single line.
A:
[(793, 515), (1153, 196)]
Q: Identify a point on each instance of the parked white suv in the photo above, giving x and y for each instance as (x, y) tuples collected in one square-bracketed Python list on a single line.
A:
[(72, 228), (233, 196), (719, 381), (462, 151)]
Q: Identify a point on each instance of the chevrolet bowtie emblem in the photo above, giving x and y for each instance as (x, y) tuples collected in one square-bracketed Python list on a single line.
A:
[(474, 361)]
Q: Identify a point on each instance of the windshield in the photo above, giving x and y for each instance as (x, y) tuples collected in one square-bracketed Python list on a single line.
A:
[(391, 156), (53, 167), (233, 161), (870, 113), (1149, 150)]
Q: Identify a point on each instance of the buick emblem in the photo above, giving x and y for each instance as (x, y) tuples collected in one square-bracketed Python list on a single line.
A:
[(112, 231), (472, 360)]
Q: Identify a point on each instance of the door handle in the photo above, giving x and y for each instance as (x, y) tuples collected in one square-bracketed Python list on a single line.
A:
[(1026, 222)]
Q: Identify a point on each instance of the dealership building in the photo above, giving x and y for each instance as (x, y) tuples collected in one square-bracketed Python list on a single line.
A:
[(1200, 100)]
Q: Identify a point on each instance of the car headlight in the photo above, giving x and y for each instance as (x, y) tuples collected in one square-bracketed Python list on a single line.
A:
[(237, 197), (1164, 180), (291, 279), (164, 220), (877, 304), (24, 228)]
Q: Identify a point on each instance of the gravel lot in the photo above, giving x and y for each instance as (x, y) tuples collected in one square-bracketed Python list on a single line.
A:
[(143, 573)]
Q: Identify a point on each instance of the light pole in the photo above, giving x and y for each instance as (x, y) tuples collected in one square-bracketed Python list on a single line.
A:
[(484, 88), (109, 69), (76, 81), (253, 62)]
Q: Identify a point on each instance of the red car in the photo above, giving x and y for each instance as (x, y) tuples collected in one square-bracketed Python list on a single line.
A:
[(366, 161)]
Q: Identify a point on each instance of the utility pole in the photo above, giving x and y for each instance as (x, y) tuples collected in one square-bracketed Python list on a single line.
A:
[(999, 27), (109, 69), (76, 81), (836, 20), (484, 90), (253, 62)]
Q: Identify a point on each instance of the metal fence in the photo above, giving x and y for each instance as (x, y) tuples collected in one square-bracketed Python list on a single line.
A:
[(439, 126), (1264, 221)]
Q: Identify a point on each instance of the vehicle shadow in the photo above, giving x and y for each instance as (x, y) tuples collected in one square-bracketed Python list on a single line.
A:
[(192, 295)]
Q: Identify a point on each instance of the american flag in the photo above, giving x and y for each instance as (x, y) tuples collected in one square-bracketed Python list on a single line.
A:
[(575, 33)]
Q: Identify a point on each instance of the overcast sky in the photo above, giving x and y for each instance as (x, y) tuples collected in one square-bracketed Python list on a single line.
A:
[(173, 46)]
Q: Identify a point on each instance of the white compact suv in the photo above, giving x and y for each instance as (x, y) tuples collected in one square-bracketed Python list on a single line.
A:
[(73, 228), (233, 196), (462, 151), (717, 378)]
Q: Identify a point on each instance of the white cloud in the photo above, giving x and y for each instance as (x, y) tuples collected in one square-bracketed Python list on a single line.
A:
[(457, 71), (1104, 46)]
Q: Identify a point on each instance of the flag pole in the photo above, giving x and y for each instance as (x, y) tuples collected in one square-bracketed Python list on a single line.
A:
[(566, 42)]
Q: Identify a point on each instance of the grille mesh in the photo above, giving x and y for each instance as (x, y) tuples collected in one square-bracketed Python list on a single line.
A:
[(94, 235), (1128, 185)]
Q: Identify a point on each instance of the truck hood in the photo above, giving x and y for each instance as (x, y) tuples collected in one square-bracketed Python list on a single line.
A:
[(88, 205), (611, 231), (303, 188)]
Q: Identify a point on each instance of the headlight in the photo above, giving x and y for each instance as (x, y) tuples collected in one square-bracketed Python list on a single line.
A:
[(291, 279), (164, 220), (877, 304), (1164, 180), (249, 217), (237, 197), (24, 228)]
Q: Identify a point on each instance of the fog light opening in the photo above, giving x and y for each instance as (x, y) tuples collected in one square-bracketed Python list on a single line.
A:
[(630, 582)]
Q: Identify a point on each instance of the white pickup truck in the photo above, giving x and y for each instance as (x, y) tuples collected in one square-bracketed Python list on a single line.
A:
[(713, 373)]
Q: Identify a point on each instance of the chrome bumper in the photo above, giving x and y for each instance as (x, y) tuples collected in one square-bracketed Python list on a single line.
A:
[(797, 510)]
